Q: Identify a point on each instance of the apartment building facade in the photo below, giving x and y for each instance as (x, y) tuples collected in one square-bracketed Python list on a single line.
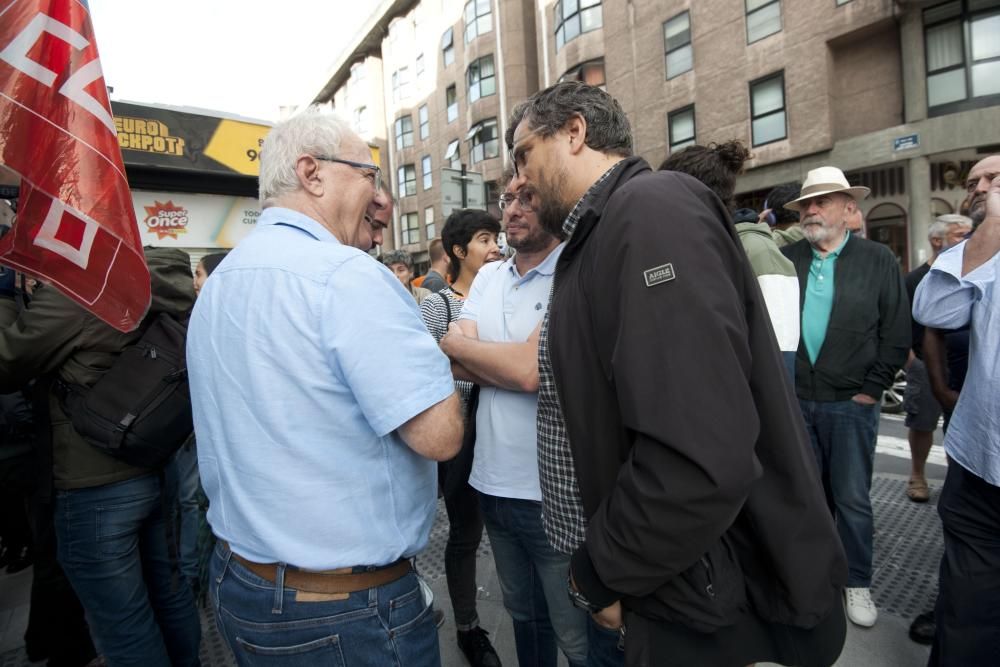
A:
[(900, 94)]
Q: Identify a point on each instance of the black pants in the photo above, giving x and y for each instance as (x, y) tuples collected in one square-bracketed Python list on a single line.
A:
[(464, 535), (968, 605)]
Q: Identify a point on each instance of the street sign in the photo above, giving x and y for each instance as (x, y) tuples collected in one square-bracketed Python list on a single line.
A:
[(906, 143), (451, 191)]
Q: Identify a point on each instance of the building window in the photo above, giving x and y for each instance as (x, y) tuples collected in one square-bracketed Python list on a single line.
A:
[(767, 109), (429, 223), (406, 180), (425, 166), (481, 78), (452, 155), (401, 84), (404, 132), (680, 128), (575, 17), (410, 228), (590, 73), (448, 46), (451, 102), (483, 141), (842, 2), (362, 121), (356, 79), (419, 67), (962, 44), (425, 123), (763, 19), (677, 45), (478, 19)]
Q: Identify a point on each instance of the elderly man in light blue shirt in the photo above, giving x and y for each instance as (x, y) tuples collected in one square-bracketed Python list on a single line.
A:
[(959, 290), (320, 406), (495, 343)]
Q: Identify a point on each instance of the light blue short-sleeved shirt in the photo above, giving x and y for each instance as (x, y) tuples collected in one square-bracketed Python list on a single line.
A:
[(305, 356), (946, 299), (818, 302), (506, 308)]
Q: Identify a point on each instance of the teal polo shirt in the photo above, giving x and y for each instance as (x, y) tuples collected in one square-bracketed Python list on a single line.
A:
[(819, 299)]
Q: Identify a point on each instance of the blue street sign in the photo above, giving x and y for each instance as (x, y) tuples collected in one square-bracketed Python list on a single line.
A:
[(907, 142)]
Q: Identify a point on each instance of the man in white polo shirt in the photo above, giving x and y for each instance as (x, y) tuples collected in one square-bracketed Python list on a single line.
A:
[(495, 344)]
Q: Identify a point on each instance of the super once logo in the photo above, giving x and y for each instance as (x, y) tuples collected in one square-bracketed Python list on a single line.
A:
[(166, 220)]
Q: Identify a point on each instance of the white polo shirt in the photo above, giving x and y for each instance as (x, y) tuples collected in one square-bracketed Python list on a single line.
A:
[(506, 308)]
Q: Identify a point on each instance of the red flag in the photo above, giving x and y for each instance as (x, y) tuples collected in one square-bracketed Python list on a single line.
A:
[(76, 226)]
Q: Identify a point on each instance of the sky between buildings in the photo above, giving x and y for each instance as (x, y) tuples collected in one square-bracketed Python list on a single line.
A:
[(245, 57)]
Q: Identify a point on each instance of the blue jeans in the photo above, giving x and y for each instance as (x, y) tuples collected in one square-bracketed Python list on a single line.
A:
[(606, 647), (112, 545), (188, 484), (264, 624), (843, 435), (533, 579)]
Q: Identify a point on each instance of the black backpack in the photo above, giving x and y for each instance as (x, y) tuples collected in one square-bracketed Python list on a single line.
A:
[(139, 411)]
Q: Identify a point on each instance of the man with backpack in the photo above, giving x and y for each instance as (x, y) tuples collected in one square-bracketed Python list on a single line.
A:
[(113, 533)]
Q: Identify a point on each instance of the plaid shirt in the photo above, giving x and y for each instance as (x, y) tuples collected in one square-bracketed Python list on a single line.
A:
[(562, 506)]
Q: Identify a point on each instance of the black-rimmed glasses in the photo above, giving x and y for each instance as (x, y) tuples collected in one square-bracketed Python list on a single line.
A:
[(524, 199), (376, 172)]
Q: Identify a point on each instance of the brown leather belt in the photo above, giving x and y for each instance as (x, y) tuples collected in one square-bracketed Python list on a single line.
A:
[(341, 580)]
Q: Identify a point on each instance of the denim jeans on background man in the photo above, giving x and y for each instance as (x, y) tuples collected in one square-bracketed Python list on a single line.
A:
[(533, 579), (843, 435), (188, 484), (112, 545), (388, 626)]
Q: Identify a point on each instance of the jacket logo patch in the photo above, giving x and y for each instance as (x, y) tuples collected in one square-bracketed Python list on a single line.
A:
[(659, 274)]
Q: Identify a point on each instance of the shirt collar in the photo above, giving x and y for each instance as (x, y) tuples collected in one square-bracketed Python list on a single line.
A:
[(544, 268), (573, 219), (276, 215), (833, 253)]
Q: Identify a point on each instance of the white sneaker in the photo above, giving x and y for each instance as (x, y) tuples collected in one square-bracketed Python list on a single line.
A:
[(860, 608)]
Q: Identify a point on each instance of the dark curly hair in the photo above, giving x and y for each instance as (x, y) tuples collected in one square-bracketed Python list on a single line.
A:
[(548, 111), (459, 229), (778, 197), (715, 165)]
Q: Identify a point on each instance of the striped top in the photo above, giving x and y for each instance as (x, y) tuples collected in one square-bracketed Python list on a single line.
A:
[(435, 312)]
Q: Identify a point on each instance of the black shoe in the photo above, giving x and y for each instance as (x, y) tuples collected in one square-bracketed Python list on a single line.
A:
[(923, 627), (20, 560), (438, 618), (477, 648), (5, 556)]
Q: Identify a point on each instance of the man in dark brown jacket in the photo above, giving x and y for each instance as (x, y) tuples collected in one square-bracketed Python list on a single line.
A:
[(109, 516), (672, 456)]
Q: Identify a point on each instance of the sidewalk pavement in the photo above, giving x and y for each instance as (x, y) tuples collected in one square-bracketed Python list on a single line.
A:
[(908, 548)]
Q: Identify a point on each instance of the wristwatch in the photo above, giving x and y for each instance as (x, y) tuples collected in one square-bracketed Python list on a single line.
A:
[(579, 600)]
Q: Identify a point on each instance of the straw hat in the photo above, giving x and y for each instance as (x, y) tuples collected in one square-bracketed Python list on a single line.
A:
[(823, 181)]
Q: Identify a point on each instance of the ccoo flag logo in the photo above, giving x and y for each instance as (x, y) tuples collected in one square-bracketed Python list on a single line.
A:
[(76, 226)]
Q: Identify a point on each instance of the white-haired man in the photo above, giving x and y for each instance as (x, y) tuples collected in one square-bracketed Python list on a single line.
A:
[(922, 409), (960, 290), (855, 336), (322, 483)]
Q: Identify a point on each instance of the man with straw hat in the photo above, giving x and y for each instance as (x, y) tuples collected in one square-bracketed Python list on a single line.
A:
[(855, 336)]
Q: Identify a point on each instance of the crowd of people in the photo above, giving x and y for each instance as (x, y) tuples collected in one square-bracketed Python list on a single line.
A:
[(564, 395)]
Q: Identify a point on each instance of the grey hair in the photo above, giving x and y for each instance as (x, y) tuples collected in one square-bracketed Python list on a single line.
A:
[(548, 111), (399, 256), (312, 132), (939, 228)]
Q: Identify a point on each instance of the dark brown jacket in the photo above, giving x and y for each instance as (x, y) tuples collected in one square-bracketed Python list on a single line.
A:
[(695, 470), (56, 334)]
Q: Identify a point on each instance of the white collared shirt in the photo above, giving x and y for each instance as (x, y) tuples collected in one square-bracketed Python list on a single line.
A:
[(507, 308)]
